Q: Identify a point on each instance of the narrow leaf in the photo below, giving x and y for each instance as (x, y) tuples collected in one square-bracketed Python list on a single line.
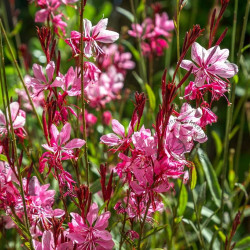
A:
[(211, 177), (183, 199), (151, 97), (126, 13)]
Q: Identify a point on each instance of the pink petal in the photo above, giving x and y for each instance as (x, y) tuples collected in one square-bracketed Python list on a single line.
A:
[(54, 133), (102, 221), (198, 53), (2, 118), (47, 240), (87, 27), (92, 214), (75, 35), (110, 139), (186, 64), (14, 108), (118, 128), (101, 25), (225, 70), (38, 72), (65, 133), (107, 36), (75, 143), (19, 122), (41, 16), (47, 147), (50, 68), (58, 213)]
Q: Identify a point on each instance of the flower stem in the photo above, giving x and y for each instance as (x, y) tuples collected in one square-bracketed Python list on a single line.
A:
[(13, 139), (19, 73), (82, 93), (142, 226), (230, 113), (142, 60)]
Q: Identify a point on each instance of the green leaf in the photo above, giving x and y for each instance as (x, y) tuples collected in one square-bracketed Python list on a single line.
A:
[(218, 142), (3, 158), (211, 177), (201, 198), (183, 199), (153, 231), (151, 97), (126, 13), (189, 222), (193, 178), (243, 243), (233, 132), (17, 29), (141, 7), (133, 50)]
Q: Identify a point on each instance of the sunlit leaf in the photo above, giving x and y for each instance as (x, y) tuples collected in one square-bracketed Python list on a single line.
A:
[(154, 231), (151, 97), (183, 198), (211, 177), (126, 13)]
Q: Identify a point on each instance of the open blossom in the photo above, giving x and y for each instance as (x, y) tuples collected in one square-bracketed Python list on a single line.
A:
[(105, 89), (115, 55), (153, 33), (60, 145), (91, 36), (39, 202), (184, 129), (50, 11), (39, 82), (91, 234), (209, 65), (117, 138), (17, 117)]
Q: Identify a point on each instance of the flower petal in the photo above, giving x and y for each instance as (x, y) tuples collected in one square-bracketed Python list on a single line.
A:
[(118, 128), (75, 143)]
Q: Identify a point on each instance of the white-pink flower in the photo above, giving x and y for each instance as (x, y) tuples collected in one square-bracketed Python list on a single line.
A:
[(60, 144), (17, 117), (209, 65), (91, 234)]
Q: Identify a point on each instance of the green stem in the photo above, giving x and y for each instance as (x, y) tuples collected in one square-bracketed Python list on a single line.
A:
[(142, 60), (198, 222), (13, 139), (142, 226), (19, 73), (82, 95), (234, 29), (230, 114)]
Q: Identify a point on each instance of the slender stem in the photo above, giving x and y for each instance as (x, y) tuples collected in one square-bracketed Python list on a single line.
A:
[(198, 222), (234, 29), (240, 136), (230, 113), (142, 60), (82, 94), (13, 139), (142, 225), (19, 73)]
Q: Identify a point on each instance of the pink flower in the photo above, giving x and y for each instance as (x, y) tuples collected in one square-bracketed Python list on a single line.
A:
[(60, 144), (210, 65), (17, 117), (117, 139), (91, 36), (114, 55), (40, 83), (163, 24), (48, 7), (184, 129), (91, 234), (59, 23), (70, 83)]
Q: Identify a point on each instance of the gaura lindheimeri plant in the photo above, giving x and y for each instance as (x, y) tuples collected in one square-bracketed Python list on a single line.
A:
[(100, 173)]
